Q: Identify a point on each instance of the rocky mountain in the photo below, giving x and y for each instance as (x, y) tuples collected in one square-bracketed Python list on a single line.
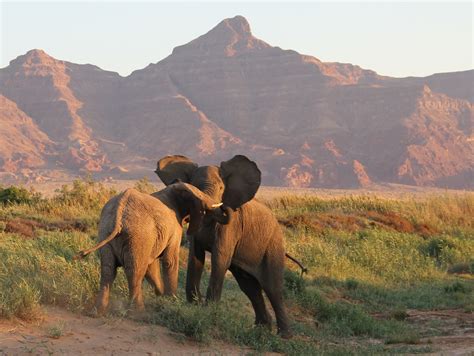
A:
[(307, 123), (24, 145)]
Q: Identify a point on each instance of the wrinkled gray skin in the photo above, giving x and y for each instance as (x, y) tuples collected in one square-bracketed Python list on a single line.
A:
[(251, 245), (137, 229)]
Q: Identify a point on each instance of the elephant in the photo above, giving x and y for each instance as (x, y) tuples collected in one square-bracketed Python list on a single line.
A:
[(250, 245), (137, 229)]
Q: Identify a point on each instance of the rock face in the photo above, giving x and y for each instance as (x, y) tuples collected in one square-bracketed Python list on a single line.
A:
[(307, 123), (23, 144), (40, 86)]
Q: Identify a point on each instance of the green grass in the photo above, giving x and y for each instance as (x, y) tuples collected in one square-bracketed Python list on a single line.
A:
[(371, 260)]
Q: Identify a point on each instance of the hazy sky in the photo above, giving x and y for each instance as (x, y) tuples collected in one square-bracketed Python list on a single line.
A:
[(392, 38)]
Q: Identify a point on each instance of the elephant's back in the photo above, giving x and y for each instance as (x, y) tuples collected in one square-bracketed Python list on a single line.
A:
[(144, 209), (134, 211)]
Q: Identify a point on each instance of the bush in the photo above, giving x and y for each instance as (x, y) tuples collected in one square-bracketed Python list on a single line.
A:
[(144, 186), (84, 192), (20, 299), (399, 314), (460, 268), (293, 283), (351, 283), (456, 287), (435, 247), (16, 195)]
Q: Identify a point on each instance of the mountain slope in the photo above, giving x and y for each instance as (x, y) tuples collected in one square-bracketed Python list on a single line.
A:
[(22, 143), (40, 85), (306, 122)]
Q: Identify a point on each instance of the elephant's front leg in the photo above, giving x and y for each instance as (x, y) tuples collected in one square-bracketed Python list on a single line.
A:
[(222, 252), (196, 259)]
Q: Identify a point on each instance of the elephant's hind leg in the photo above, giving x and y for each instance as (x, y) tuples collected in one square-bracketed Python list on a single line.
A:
[(253, 290), (170, 265), (135, 274), (273, 287), (153, 277), (108, 272)]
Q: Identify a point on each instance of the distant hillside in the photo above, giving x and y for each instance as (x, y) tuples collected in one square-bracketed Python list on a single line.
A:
[(307, 123)]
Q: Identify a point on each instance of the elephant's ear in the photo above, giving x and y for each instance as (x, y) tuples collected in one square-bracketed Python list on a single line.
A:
[(196, 203), (175, 168), (241, 178)]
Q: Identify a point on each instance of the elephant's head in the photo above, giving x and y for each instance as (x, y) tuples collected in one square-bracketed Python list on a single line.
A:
[(195, 204), (233, 183)]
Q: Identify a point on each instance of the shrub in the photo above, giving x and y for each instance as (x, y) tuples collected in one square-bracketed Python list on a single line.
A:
[(460, 268), (15, 195), (399, 314), (20, 299), (456, 287), (144, 186), (293, 282), (84, 192), (436, 246), (352, 283)]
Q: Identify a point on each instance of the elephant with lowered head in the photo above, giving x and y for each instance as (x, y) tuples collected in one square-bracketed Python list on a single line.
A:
[(251, 245), (136, 230)]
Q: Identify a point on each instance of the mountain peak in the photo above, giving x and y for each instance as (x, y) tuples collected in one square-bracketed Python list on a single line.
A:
[(229, 37), (238, 24), (37, 52), (34, 57)]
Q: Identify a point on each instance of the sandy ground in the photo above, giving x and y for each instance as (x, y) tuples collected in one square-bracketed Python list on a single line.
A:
[(64, 333), (457, 327), (60, 332)]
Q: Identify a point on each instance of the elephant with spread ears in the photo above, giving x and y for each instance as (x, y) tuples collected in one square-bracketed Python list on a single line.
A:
[(250, 245), (136, 230)]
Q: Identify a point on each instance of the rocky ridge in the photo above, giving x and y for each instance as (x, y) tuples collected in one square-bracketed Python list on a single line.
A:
[(307, 123)]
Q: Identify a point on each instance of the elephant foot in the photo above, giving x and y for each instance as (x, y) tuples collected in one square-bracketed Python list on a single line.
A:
[(195, 300), (194, 296), (96, 312), (137, 315), (285, 334), (265, 320), (263, 324)]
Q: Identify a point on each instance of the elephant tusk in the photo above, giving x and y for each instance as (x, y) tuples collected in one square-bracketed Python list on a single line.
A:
[(216, 205)]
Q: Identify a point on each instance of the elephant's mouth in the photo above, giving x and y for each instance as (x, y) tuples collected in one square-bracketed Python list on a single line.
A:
[(222, 214)]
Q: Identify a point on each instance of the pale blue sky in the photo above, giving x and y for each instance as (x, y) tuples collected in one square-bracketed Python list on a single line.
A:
[(392, 38)]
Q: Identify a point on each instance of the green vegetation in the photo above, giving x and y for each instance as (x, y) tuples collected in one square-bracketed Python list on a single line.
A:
[(17, 195), (145, 186), (373, 263), (56, 331)]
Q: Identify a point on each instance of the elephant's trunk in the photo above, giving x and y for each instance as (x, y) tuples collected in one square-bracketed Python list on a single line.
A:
[(222, 215)]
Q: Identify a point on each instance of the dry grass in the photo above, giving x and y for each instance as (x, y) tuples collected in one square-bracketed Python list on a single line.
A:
[(371, 258)]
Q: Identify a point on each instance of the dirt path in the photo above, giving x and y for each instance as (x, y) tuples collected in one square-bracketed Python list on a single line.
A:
[(64, 333), (456, 328)]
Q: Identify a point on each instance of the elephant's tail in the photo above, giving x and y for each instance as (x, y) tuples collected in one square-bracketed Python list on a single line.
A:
[(303, 268), (117, 228)]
